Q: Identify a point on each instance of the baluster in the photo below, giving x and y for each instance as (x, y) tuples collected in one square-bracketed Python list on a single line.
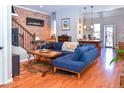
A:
[(23, 38), (26, 43), (20, 37), (30, 42)]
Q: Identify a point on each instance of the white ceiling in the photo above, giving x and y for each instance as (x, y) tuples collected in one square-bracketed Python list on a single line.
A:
[(53, 8)]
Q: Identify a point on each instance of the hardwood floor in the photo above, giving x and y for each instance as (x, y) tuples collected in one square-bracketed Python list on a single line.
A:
[(98, 75)]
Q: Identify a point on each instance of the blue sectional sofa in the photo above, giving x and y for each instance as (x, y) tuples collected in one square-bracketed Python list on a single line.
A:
[(77, 61)]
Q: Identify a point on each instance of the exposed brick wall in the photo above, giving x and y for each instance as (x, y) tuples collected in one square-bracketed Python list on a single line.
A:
[(42, 32)]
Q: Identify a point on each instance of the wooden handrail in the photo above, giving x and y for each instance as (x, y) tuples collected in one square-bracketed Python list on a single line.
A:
[(23, 27)]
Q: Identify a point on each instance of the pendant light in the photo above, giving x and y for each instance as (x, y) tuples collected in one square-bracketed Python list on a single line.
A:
[(84, 19), (91, 17)]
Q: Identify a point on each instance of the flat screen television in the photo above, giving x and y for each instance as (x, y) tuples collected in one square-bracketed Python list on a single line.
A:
[(15, 36)]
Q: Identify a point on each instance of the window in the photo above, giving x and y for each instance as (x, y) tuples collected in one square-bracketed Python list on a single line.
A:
[(54, 26), (96, 31), (53, 23)]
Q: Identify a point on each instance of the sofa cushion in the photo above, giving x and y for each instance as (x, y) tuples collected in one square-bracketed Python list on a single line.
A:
[(57, 45), (78, 52)]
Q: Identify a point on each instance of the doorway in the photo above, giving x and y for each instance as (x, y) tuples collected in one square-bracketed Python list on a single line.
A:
[(108, 36)]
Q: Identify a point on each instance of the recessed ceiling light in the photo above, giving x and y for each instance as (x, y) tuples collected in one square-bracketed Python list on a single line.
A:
[(41, 6)]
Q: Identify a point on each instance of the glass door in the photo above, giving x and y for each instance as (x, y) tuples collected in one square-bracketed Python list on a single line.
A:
[(108, 36)]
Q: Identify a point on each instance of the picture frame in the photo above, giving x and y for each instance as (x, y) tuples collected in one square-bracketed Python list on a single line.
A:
[(65, 24)]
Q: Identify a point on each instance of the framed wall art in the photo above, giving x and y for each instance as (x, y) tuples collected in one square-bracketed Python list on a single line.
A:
[(66, 24), (34, 22)]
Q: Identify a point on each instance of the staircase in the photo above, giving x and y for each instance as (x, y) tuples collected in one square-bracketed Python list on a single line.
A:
[(26, 39)]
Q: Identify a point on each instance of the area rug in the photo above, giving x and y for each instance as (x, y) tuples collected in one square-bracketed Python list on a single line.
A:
[(44, 69), (37, 67)]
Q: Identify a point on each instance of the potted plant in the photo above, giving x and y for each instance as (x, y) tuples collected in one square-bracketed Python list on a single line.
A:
[(117, 57)]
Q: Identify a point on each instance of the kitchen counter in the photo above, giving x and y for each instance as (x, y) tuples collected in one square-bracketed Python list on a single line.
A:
[(90, 40)]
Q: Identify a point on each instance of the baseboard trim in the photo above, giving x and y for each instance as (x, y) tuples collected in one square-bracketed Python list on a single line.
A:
[(8, 81)]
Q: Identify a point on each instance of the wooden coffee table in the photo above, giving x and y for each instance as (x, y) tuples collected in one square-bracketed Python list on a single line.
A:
[(43, 55)]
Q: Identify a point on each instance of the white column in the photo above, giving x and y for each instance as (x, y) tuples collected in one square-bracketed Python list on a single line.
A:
[(1, 50), (5, 27)]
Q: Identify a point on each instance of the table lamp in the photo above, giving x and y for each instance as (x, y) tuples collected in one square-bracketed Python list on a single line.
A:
[(37, 38)]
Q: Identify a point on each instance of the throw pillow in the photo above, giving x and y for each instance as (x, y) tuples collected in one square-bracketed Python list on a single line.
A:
[(78, 52), (49, 45), (69, 46), (58, 45)]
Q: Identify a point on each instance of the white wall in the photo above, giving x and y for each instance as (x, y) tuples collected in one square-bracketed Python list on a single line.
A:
[(1, 50), (113, 17), (6, 64), (74, 16), (20, 51)]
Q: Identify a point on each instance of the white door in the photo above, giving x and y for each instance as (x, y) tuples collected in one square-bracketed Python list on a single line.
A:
[(108, 36)]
